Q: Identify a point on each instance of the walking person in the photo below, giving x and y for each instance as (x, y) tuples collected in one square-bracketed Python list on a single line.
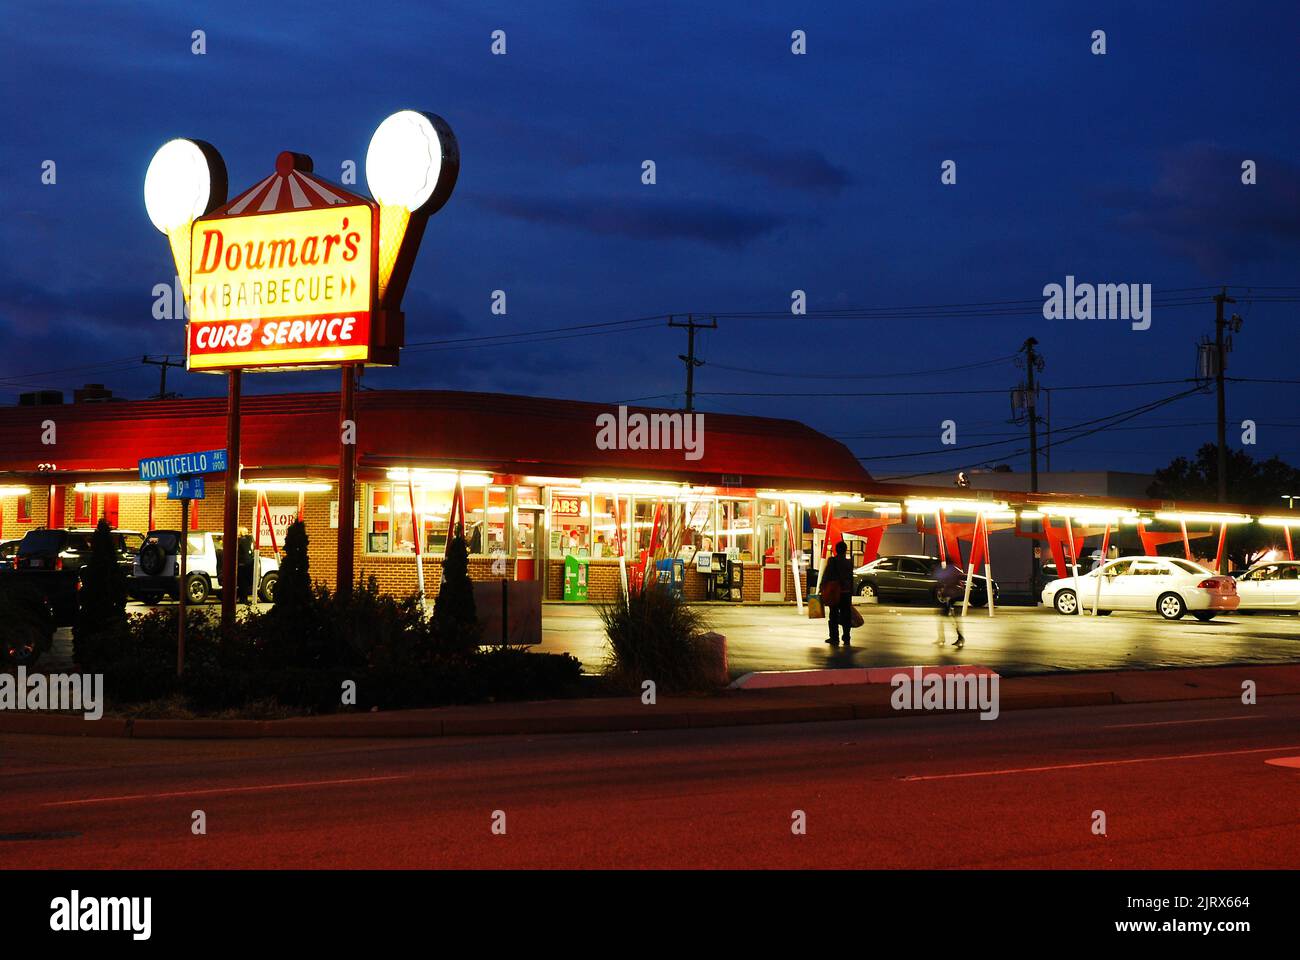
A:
[(244, 566), (950, 588), (836, 593)]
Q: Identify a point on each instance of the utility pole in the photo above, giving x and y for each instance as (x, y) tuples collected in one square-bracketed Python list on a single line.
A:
[(1033, 364), (162, 365), (689, 357), (1031, 403), (1221, 363)]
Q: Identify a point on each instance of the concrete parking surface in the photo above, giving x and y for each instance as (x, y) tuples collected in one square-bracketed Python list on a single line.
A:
[(1016, 640)]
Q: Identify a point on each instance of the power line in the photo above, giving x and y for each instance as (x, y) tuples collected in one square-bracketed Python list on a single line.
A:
[(533, 333), (1113, 419), (939, 393), (864, 376)]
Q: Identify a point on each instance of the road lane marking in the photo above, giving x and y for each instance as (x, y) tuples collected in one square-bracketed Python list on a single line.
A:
[(1171, 723), (1094, 763), (300, 785)]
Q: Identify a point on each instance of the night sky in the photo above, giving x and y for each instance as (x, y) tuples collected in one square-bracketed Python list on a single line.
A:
[(775, 172)]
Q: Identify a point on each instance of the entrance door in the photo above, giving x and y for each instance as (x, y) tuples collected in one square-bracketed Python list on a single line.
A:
[(771, 544), (527, 527)]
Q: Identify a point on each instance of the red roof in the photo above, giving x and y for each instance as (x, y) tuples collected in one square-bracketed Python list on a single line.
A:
[(294, 434)]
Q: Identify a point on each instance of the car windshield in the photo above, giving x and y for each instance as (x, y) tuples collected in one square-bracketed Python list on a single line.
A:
[(42, 541), (1195, 569)]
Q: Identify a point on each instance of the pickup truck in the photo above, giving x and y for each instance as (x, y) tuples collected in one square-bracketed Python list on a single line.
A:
[(157, 567)]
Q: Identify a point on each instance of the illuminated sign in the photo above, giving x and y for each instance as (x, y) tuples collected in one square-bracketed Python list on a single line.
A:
[(566, 506), (297, 271), (282, 289)]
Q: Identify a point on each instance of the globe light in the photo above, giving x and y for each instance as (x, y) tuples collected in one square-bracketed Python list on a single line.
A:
[(411, 156), (411, 167), (180, 183)]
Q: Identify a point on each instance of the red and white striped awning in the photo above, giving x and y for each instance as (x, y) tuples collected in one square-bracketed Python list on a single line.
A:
[(292, 187)]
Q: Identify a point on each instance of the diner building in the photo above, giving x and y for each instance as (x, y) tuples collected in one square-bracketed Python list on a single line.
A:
[(733, 513), (538, 488)]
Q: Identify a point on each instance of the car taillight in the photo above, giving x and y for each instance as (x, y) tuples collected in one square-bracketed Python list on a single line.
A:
[(1226, 584), (58, 563)]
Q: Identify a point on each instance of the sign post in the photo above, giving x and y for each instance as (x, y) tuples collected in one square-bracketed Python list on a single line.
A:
[(183, 548), (184, 475), (230, 515), (347, 477)]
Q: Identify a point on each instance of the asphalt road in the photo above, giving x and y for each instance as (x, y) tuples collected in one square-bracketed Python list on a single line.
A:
[(1182, 784), (1016, 640)]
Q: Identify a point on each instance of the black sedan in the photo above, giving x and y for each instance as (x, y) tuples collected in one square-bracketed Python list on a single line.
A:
[(911, 578)]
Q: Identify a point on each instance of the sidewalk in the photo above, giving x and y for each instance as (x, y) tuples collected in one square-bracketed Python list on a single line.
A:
[(727, 708)]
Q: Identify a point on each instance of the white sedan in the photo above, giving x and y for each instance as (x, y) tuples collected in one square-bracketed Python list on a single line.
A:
[(1170, 586), (1270, 586)]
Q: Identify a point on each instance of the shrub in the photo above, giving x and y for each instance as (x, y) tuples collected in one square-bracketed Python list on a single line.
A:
[(26, 623), (383, 643), (142, 666), (100, 626), (455, 619), (655, 635)]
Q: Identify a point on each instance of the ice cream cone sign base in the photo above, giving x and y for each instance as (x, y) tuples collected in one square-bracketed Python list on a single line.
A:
[(186, 179), (393, 221)]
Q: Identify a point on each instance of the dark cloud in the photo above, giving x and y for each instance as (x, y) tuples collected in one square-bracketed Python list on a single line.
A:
[(1200, 208), (804, 169), (715, 224)]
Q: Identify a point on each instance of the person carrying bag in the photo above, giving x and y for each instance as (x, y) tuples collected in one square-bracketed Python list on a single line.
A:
[(836, 593)]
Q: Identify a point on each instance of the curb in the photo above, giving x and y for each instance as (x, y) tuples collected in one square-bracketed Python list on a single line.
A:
[(839, 702), (622, 721)]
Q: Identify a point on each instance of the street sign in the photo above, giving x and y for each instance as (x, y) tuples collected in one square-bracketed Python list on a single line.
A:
[(184, 488), (183, 464)]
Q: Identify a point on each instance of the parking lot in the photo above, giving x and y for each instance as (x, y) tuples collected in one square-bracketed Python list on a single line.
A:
[(1017, 640)]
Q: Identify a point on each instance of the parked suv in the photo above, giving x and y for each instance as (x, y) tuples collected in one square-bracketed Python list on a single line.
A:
[(157, 567), (911, 578), (51, 560)]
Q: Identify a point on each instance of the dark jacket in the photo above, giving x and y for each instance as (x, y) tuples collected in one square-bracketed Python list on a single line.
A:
[(841, 569)]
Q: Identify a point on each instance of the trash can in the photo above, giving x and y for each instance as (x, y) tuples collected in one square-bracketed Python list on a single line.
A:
[(575, 579)]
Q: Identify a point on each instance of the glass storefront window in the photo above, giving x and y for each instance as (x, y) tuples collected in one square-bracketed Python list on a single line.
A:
[(699, 527), (528, 501), (736, 527), (489, 521), (570, 523), (605, 516), (643, 523), (389, 526)]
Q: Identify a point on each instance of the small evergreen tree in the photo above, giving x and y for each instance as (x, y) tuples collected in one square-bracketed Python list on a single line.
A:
[(101, 603), (293, 595), (455, 619)]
